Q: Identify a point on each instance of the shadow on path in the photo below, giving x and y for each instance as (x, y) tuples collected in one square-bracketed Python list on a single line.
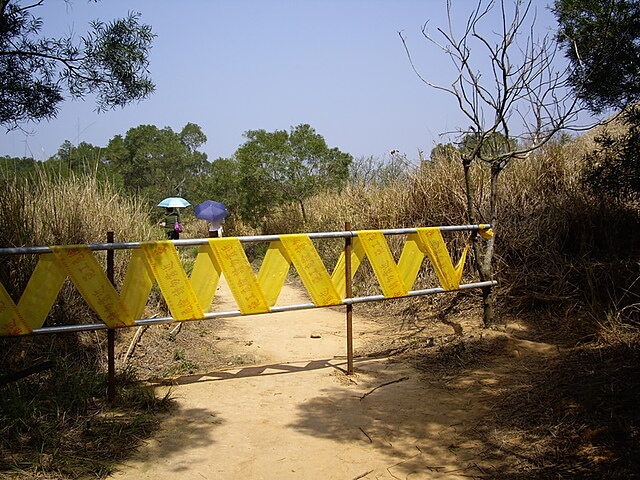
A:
[(259, 370)]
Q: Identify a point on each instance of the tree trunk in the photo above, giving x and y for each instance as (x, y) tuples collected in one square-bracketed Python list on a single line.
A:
[(304, 212), (483, 252), (471, 216), (485, 269)]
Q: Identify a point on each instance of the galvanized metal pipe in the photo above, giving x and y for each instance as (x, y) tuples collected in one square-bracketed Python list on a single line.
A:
[(245, 239), (275, 309)]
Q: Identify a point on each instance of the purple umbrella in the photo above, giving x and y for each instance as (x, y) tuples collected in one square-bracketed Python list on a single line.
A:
[(211, 211)]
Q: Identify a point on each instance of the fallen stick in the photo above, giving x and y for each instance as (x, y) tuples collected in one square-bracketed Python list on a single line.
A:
[(383, 385), (134, 342), (174, 331), (362, 475), (12, 377), (366, 435)]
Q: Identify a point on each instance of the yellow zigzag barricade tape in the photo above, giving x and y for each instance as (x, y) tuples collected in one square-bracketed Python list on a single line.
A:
[(88, 276), (232, 261), (384, 266), (11, 320), (164, 262), (397, 280), (314, 274), (189, 297)]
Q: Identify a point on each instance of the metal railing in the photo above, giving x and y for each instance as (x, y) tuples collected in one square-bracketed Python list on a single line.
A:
[(395, 278)]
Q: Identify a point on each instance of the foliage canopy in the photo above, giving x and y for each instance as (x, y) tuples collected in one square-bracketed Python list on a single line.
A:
[(158, 163), (613, 168), (110, 61), (283, 167), (601, 40)]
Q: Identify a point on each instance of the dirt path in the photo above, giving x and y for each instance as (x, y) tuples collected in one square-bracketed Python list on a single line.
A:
[(296, 415)]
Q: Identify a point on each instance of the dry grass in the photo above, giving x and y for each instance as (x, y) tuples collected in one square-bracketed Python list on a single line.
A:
[(52, 210), (46, 419), (557, 247), (574, 417), (567, 265), (57, 425)]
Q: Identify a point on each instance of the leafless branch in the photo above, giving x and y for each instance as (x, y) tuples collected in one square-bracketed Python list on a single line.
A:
[(509, 85)]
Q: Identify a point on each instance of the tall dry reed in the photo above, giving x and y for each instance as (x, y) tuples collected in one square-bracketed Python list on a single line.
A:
[(557, 247), (47, 209)]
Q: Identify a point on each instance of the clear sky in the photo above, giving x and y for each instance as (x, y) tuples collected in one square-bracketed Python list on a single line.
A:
[(235, 65)]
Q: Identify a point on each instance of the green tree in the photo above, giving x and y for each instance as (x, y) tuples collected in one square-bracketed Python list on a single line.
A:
[(489, 146), (277, 168), (444, 151), (12, 166), (601, 39), (83, 158), (110, 61), (613, 167), (157, 162), (493, 146), (192, 137), (221, 184)]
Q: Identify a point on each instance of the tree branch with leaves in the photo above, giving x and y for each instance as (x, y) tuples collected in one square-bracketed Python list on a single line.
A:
[(110, 61)]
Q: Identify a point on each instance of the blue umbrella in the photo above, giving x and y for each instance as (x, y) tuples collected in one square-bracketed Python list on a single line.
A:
[(173, 202), (211, 211)]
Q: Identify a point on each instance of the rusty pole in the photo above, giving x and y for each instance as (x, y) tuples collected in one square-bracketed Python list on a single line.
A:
[(111, 333), (349, 294)]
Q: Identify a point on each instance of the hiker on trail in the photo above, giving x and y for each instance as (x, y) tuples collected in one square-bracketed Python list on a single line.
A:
[(215, 228), (171, 218)]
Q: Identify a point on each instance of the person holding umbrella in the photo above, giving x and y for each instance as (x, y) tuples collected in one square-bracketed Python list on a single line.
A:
[(171, 222), (214, 213), (215, 229)]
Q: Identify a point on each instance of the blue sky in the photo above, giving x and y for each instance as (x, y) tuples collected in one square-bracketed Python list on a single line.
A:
[(237, 65)]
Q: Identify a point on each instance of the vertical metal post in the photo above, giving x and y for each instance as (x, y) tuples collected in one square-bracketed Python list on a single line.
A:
[(111, 333), (349, 294)]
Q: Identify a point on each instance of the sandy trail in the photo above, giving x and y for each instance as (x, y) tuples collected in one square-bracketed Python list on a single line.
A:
[(296, 415)]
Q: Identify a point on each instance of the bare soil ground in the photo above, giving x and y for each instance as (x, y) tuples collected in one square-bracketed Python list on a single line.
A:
[(267, 397)]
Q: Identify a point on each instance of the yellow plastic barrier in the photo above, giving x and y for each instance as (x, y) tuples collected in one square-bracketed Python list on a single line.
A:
[(189, 297)]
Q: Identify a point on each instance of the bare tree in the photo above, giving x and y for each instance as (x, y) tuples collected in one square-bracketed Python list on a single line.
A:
[(513, 93)]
